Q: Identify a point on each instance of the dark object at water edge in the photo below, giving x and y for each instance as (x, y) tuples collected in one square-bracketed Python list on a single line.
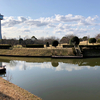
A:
[(2, 69)]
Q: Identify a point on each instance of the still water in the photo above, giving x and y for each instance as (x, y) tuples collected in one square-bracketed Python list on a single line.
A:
[(56, 79)]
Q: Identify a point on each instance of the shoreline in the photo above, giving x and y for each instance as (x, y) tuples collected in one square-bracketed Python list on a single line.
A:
[(53, 57), (44, 56), (10, 91), (48, 53)]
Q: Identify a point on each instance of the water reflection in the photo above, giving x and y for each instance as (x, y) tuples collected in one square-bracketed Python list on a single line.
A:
[(57, 79), (3, 74), (80, 62), (23, 65), (85, 62), (9, 76), (12, 63), (55, 64)]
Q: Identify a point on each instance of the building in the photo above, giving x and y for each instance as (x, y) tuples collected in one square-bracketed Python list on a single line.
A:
[(1, 18)]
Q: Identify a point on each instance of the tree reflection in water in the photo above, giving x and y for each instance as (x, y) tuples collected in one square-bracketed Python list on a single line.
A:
[(3, 74), (13, 63), (55, 64), (80, 62), (85, 62), (9, 76)]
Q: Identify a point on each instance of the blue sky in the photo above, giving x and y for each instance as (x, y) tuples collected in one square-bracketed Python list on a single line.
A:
[(45, 18)]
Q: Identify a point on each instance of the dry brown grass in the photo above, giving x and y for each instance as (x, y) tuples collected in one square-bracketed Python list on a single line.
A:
[(83, 43), (9, 91), (36, 52), (87, 43)]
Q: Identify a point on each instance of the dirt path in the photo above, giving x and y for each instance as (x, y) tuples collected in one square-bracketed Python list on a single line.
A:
[(9, 91)]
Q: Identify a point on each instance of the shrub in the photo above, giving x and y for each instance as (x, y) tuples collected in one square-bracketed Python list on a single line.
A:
[(92, 40), (35, 46), (74, 41), (85, 38), (55, 43), (5, 46), (20, 41), (47, 44), (98, 41)]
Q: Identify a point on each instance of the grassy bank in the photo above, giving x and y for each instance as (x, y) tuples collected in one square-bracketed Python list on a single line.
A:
[(37, 52), (9, 91)]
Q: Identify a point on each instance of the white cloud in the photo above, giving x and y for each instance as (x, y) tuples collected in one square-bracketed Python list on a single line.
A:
[(68, 18), (36, 23), (58, 24), (51, 25), (10, 21)]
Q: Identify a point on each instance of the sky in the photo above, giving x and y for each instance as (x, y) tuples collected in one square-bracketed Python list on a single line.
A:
[(46, 18)]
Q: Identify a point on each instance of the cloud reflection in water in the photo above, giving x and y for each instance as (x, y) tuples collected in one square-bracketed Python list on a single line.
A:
[(23, 65)]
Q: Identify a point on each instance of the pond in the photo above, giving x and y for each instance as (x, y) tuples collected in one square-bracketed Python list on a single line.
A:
[(55, 79)]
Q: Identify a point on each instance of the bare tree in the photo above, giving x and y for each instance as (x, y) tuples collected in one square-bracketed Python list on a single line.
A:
[(9, 76), (26, 37), (51, 39), (66, 39), (4, 37), (97, 36)]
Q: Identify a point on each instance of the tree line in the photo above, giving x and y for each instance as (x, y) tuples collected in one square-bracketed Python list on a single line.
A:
[(42, 40)]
